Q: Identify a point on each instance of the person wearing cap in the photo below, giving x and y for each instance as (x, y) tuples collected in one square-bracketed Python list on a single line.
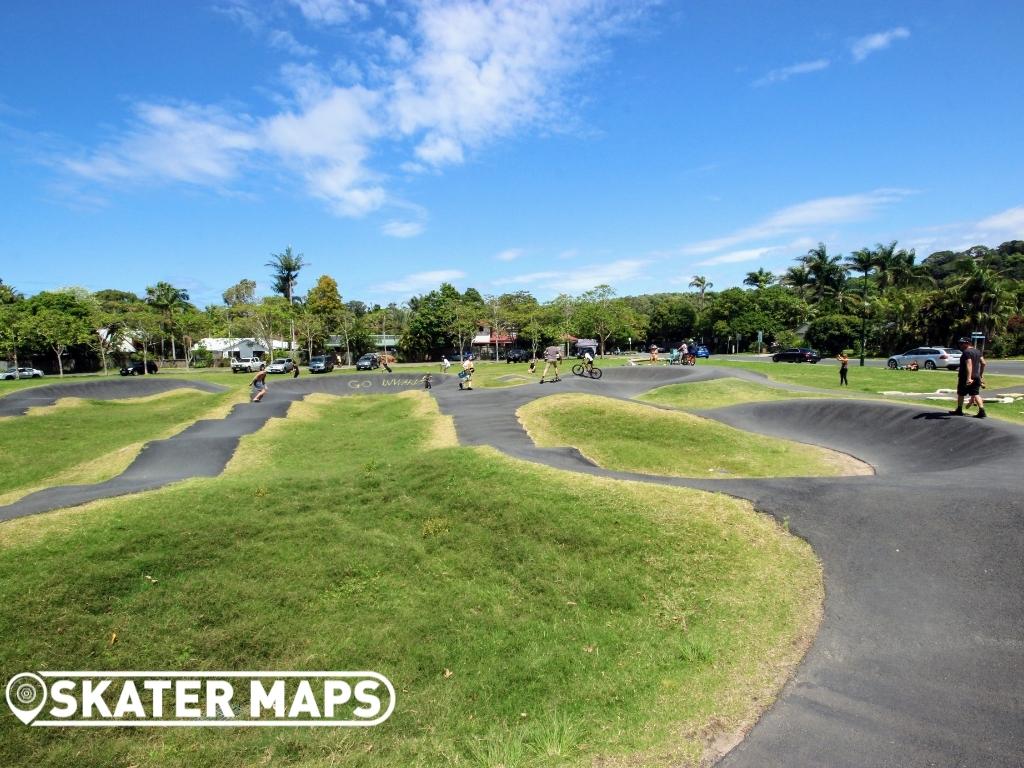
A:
[(968, 378)]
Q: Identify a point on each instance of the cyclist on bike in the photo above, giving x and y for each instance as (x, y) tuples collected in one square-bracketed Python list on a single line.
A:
[(588, 360)]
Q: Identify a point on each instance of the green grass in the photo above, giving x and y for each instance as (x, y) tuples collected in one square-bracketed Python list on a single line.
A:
[(635, 438), (580, 618), (873, 381), (716, 393), (39, 447)]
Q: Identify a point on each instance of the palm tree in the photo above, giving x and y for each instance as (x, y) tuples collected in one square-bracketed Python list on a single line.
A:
[(702, 284), (762, 278), (168, 301), (896, 268), (862, 261), (987, 297), (797, 278), (285, 270), (825, 271)]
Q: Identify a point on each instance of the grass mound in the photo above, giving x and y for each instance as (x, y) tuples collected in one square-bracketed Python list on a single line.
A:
[(716, 393), (635, 438), (527, 617), (82, 441)]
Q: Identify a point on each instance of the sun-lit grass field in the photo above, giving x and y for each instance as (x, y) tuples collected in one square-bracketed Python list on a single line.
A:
[(527, 617)]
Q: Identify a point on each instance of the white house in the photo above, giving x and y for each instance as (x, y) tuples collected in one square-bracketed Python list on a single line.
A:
[(224, 348)]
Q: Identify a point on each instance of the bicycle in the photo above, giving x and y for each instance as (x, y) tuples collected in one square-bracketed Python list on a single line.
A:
[(584, 369)]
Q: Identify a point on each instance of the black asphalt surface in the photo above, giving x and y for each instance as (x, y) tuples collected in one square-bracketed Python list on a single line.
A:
[(919, 660)]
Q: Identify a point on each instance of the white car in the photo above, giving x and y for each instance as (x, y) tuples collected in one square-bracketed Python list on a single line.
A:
[(927, 357), (281, 365), (20, 373)]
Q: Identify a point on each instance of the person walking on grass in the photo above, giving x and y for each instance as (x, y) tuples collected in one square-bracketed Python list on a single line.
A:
[(295, 371), (552, 356), (844, 368), (259, 384), (445, 364), (969, 378)]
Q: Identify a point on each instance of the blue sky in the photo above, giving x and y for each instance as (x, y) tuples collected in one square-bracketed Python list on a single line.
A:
[(542, 146)]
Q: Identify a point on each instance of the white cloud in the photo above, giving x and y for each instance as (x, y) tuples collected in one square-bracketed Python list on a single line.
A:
[(736, 257), (510, 254), (1008, 224), (865, 46), (810, 215), (783, 74), (187, 143), (582, 279), (403, 229), (284, 40), (462, 75), (331, 11), (420, 281)]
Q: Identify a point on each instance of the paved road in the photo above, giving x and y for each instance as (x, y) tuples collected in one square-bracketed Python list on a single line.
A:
[(1008, 367), (920, 657)]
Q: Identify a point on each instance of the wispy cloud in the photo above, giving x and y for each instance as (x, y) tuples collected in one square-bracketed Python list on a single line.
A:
[(757, 254), (420, 281), (510, 254), (183, 143), (863, 47), (806, 217), (1008, 223), (403, 229), (582, 279), (784, 73), (332, 11), (454, 78)]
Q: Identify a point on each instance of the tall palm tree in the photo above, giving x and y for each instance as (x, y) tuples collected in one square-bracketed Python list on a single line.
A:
[(797, 278), (862, 261), (825, 271), (702, 284), (896, 268), (762, 278), (168, 301), (987, 297), (285, 268)]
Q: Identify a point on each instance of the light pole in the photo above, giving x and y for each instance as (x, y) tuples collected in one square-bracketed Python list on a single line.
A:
[(863, 330)]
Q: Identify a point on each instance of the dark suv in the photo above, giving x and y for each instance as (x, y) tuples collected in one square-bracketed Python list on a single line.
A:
[(367, 362), (796, 355), (321, 364), (139, 369), (518, 356)]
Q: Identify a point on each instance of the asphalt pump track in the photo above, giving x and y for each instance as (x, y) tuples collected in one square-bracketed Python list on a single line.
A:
[(919, 660)]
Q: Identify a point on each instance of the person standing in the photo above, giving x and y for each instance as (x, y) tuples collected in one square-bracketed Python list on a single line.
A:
[(844, 368), (654, 354), (466, 377), (445, 364), (552, 355), (968, 378), (259, 384), (295, 370)]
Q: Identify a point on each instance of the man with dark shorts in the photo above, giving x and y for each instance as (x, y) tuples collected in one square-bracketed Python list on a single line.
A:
[(968, 378)]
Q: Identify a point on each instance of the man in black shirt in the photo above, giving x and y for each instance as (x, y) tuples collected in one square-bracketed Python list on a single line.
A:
[(968, 378)]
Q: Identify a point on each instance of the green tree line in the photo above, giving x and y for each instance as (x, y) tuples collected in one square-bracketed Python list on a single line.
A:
[(879, 299)]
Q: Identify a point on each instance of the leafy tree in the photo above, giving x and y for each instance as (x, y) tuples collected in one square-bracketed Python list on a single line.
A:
[(59, 320), (284, 270), (14, 329), (242, 292), (168, 301), (825, 272), (8, 294), (832, 333), (598, 312)]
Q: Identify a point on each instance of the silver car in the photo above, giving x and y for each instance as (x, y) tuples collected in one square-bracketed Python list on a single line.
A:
[(20, 373), (927, 357), (281, 365)]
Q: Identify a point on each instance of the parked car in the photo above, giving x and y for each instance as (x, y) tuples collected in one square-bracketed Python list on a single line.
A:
[(281, 365), (702, 351), (367, 362), (12, 373), (796, 355), (927, 357), (139, 368), (321, 364), (246, 365), (518, 356)]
